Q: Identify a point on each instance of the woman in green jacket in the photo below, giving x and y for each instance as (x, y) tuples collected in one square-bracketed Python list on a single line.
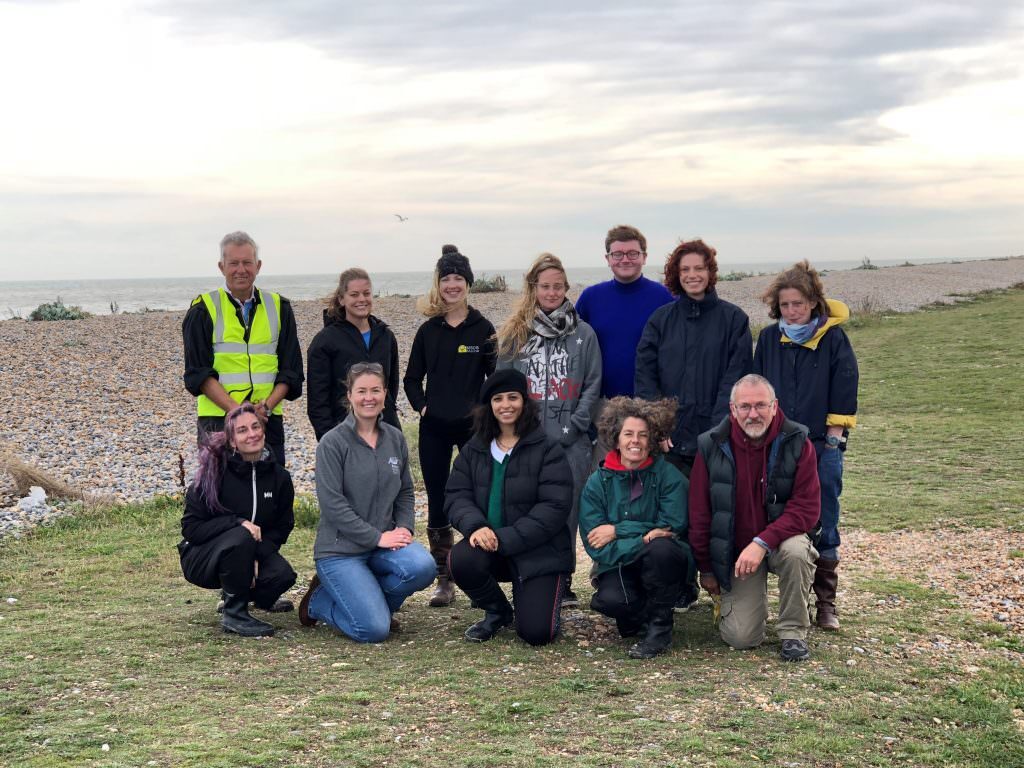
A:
[(633, 521)]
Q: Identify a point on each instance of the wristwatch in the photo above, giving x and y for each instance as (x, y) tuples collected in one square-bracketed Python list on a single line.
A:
[(834, 442)]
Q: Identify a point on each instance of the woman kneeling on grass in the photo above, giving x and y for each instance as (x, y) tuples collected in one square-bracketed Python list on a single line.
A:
[(633, 518), (367, 563), (509, 495), (238, 514)]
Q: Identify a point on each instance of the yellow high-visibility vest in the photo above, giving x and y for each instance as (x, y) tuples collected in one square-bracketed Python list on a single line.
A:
[(246, 369)]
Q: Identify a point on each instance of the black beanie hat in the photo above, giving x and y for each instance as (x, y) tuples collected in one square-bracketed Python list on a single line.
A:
[(454, 263), (505, 380)]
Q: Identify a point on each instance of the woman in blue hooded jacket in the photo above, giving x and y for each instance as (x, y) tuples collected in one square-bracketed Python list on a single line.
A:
[(809, 360)]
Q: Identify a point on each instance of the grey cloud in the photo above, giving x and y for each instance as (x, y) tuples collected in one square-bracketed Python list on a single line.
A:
[(814, 71)]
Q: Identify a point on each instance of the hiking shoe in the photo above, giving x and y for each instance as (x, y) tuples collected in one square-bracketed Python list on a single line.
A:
[(794, 650), (569, 599)]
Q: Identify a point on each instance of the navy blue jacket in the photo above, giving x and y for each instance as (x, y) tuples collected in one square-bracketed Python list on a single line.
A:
[(694, 351), (815, 382)]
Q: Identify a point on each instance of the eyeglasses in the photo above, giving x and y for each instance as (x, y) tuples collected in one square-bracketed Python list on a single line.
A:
[(629, 255), (746, 408)]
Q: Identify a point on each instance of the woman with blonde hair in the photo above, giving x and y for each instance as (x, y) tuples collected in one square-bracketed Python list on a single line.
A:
[(454, 351), (559, 354), (351, 334)]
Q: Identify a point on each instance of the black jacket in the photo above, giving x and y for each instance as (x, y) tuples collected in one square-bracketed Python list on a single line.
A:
[(331, 353), (694, 351), (536, 500), (455, 362), (267, 480)]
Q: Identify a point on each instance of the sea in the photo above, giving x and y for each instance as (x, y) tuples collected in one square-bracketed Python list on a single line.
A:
[(111, 296)]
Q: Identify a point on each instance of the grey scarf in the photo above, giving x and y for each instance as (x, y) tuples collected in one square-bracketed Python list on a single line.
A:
[(559, 322)]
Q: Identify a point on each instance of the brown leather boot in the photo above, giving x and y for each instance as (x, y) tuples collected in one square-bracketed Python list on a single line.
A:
[(825, 581), (441, 540)]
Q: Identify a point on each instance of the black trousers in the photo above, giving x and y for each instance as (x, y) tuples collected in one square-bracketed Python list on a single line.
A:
[(227, 562), (274, 432), (437, 439), (655, 579), (537, 602)]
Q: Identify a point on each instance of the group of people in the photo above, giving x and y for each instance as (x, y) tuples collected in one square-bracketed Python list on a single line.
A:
[(640, 420)]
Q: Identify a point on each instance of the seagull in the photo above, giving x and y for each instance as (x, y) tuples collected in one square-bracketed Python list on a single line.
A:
[(402, 218)]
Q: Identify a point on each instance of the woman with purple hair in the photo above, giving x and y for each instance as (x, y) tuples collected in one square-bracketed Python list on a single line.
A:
[(238, 514)]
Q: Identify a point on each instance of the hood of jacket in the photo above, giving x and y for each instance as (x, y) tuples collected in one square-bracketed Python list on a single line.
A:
[(838, 313)]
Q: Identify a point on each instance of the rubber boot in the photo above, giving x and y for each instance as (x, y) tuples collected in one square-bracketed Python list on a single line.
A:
[(825, 582), (497, 612), (658, 637), (236, 618), (441, 540)]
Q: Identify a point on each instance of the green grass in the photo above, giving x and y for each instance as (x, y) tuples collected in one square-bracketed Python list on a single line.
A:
[(108, 645), (934, 446)]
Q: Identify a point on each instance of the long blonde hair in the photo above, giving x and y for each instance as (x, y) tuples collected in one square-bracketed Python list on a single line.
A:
[(516, 330), (431, 304)]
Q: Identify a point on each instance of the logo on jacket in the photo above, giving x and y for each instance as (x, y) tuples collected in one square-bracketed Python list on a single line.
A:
[(268, 494), (468, 348), (394, 464)]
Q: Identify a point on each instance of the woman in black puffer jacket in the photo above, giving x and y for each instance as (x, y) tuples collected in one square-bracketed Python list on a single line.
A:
[(509, 494), (238, 514), (351, 334)]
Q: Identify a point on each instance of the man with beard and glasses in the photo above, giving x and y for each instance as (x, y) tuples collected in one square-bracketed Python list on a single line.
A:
[(755, 503)]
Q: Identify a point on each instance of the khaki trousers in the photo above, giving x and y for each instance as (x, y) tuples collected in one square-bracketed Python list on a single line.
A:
[(745, 606)]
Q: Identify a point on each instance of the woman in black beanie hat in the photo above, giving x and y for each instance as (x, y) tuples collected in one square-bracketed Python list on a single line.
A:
[(454, 351), (509, 495)]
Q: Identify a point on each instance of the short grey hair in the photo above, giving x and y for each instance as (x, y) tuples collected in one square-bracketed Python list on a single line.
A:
[(238, 238), (751, 379)]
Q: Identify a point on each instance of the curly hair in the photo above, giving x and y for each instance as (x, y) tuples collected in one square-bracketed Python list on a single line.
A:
[(659, 415), (516, 330), (804, 278), (623, 233), (672, 264), (334, 302)]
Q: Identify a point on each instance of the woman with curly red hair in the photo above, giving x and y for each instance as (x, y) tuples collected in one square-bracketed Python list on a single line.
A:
[(693, 349)]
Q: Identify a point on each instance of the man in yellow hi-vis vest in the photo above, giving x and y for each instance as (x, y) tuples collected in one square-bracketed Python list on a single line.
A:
[(241, 345)]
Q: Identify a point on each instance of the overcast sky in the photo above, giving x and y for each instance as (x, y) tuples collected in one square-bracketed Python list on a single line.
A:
[(135, 134)]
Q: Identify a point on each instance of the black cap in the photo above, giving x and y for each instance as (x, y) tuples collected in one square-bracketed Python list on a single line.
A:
[(454, 263), (505, 380)]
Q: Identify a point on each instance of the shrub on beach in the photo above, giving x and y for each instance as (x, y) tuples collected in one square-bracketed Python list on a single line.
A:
[(58, 311), (484, 284)]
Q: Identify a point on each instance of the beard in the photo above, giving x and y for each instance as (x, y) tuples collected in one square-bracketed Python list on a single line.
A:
[(755, 429)]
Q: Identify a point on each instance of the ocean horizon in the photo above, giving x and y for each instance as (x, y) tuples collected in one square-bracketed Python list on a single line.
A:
[(110, 296)]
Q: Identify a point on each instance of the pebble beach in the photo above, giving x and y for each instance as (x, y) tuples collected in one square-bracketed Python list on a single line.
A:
[(99, 403)]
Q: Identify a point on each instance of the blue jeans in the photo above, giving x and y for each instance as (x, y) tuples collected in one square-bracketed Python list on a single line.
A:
[(358, 593), (830, 475)]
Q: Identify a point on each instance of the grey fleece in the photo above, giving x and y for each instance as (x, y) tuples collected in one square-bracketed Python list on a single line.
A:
[(362, 491)]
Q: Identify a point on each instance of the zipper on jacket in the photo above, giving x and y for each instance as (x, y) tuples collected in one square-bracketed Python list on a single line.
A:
[(253, 519)]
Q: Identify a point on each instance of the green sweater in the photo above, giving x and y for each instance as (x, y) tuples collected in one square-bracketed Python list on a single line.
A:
[(605, 499)]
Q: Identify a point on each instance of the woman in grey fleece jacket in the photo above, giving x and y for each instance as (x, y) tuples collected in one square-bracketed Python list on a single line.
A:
[(559, 354), (367, 563)]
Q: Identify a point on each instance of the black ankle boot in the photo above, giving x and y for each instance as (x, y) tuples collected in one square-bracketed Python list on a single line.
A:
[(658, 637), (497, 612), (236, 618)]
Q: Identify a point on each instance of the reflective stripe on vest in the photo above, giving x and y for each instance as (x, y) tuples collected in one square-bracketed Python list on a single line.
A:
[(246, 370)]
